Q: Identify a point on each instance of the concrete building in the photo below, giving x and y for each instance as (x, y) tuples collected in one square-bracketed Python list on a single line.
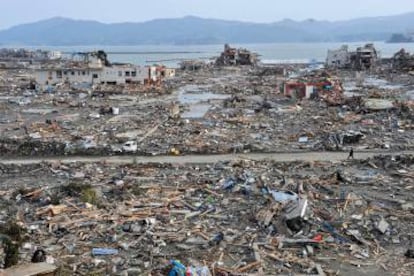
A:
[(48, 77), (363, 58), (338, 58), (157, 73), (115, 74), (94, 68), (123, 74), (235, 57)]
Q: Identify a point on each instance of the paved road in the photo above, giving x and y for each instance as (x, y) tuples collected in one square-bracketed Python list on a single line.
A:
[(278, 157)]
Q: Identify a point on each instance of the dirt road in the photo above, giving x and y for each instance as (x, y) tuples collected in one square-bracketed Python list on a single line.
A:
[(278, 157)]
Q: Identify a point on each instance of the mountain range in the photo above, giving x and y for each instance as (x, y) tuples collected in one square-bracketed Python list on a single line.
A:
[(195, 30)]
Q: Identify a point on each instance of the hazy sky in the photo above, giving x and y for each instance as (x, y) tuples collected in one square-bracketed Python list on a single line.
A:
[(22, 11)]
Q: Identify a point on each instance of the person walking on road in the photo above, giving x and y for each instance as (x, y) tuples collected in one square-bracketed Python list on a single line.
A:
[(351, 154)]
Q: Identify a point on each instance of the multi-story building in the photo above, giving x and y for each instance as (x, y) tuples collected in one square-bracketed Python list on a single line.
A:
[(94, 68)]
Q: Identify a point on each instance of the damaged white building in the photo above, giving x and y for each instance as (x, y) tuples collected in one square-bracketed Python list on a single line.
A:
[(94, 68)]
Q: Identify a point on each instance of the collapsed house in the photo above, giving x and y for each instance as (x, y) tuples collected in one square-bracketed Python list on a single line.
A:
[(234, 57), (313, 86), (94, 68), (363, 58)]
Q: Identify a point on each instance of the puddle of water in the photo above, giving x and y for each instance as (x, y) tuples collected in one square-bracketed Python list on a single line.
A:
[(410, 95), (41, 111), (380, 83), (7, 98), (350, 86), (196, 97), (192, 98), (348, 94), (375, 82), (378, 104), (196, 111)]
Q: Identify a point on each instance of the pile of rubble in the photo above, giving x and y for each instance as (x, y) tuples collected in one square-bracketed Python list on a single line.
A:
[(202, 112), (226, 218), (235, 57), (223, 218), (193, 65), (315, 85)]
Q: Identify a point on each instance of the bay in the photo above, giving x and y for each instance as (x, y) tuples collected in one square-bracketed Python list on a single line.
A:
[(171, 55)]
